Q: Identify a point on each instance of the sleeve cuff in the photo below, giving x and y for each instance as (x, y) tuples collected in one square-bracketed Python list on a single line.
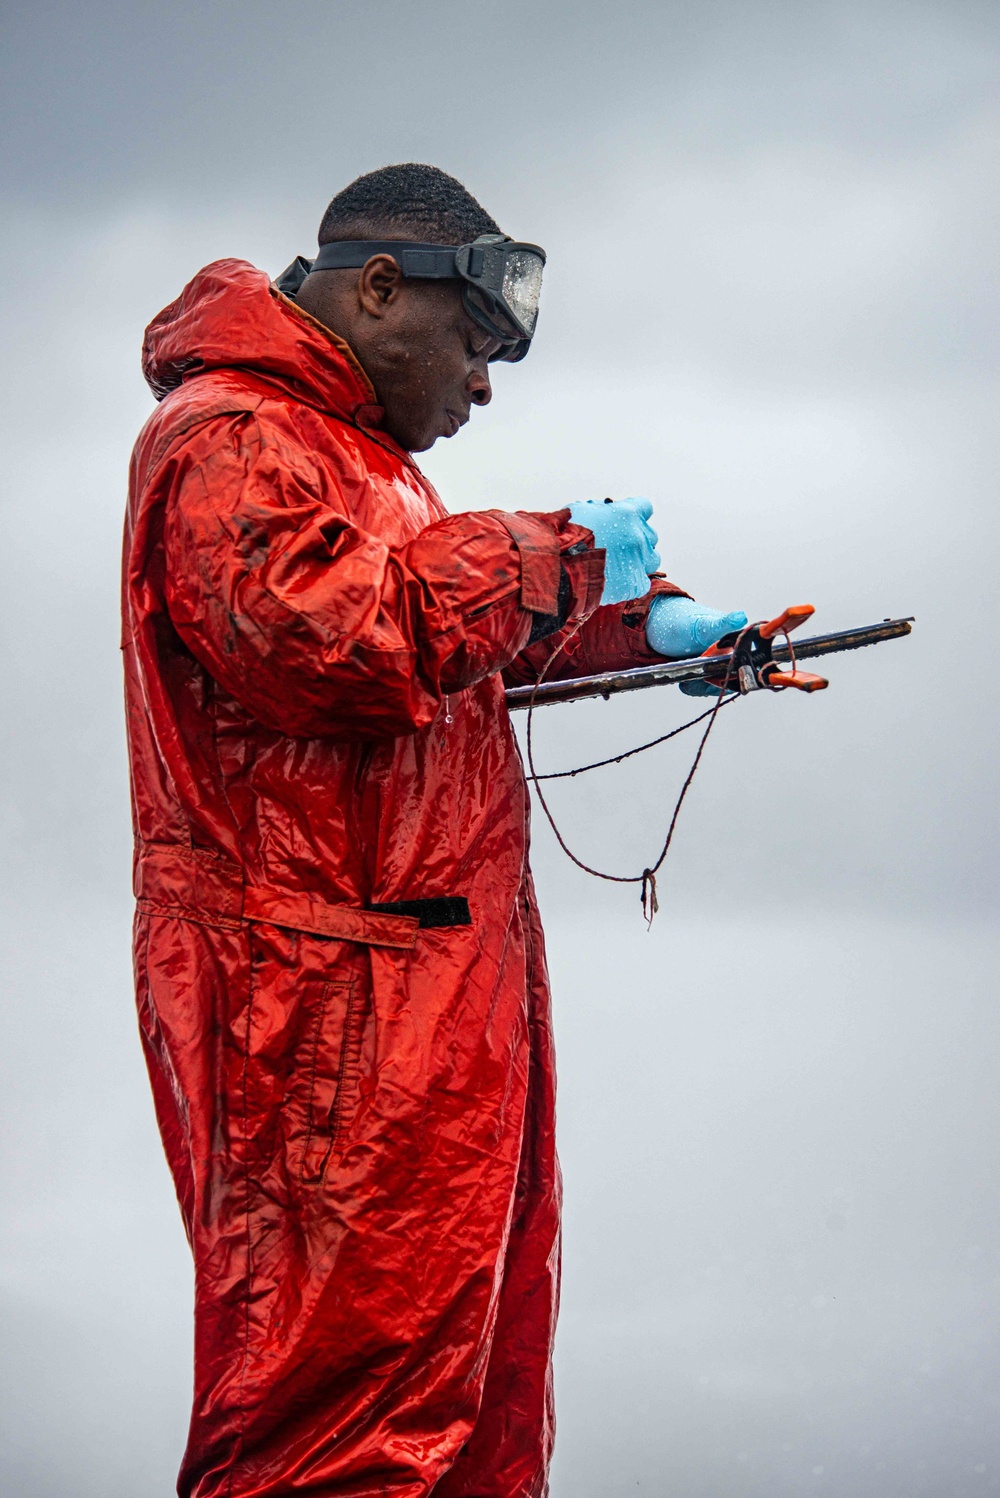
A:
[(542, 542), (635, 614)]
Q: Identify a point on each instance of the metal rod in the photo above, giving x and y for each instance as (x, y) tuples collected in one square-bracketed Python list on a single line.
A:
[(672, 672)]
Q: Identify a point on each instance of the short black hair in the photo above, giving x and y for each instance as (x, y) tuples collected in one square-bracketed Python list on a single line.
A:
[(409, 201)]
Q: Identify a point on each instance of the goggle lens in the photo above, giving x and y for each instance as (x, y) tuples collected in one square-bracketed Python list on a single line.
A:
[(522, 286)]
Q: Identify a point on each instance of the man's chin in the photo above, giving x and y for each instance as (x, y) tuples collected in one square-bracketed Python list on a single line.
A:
[(421, 444), (447, 424), (415, 442)]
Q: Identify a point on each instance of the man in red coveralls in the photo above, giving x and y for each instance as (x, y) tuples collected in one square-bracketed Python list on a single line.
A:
[(340, 974)]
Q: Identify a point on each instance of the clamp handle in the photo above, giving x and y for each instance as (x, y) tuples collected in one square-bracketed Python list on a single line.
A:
[(804, 680), (772, 677), (790, 619)]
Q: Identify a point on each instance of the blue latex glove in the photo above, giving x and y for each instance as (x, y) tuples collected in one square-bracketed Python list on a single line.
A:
[(621, 530), (680, 627)]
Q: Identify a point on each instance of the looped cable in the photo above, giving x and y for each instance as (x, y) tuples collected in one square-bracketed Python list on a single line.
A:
[(647, 879)]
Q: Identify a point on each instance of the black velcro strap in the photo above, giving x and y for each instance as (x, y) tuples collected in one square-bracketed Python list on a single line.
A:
[(546, 624), (447, 910), (427, 261)]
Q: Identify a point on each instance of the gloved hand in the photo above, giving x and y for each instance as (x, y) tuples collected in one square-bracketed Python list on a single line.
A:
[(680, 627), (621, 530)]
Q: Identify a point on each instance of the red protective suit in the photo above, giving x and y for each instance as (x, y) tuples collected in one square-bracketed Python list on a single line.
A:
[(356, 1103)]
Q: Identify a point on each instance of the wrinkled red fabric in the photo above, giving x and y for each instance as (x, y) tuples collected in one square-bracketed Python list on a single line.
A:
[(357, 1110)]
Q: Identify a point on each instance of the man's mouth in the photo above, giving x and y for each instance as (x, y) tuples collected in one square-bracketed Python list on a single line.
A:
[(454, 421)]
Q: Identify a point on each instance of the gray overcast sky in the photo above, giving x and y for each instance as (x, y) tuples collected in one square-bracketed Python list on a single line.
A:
[(771, 307)]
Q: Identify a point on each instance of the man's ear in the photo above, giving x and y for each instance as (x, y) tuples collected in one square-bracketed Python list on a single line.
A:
[(379, 284)]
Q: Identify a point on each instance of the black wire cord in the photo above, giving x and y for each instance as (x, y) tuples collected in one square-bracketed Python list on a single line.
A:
[(616, 759)]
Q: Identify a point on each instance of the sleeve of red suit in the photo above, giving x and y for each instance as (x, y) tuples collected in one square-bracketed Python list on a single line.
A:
[(314, 625), (610, 639)]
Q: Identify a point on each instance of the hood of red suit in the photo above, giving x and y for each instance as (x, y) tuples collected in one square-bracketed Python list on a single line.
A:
[(231, 316)]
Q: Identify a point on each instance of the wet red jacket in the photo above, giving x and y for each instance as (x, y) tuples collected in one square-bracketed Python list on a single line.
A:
[(340, 976)]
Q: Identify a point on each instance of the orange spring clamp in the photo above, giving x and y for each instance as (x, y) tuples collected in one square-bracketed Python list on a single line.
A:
[(752, 665)]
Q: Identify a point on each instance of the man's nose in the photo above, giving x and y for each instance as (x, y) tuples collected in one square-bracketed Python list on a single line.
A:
[(479, 388)]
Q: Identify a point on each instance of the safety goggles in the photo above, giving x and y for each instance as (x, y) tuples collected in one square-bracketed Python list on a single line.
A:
[(502, 279)]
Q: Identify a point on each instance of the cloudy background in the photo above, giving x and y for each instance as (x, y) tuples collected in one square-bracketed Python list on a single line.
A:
[(771, 307)]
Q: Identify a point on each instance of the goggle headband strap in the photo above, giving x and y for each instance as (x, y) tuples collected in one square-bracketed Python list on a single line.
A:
[(427, 262)]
